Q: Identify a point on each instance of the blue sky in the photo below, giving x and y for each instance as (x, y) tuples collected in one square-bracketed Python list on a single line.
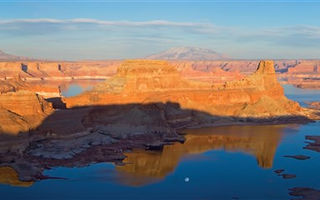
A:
[(100, 29)]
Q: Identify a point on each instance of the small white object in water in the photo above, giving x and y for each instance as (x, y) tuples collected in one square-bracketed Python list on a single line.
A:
[(186, 179)]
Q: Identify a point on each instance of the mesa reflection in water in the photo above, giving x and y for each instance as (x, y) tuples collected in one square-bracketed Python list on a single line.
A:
[(145, 167)]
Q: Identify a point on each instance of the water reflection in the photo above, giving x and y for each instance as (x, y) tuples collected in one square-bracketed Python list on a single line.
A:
[(9, 176), (301, 95), (67, 88), (76, 87), (145, 167)]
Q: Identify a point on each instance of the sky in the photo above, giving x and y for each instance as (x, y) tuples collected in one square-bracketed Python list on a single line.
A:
[(106, 29)]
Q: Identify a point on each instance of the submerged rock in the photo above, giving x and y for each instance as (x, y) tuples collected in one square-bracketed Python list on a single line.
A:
[(278, 171), (314, 145), (288, 176), (298, 157), (305, 193)]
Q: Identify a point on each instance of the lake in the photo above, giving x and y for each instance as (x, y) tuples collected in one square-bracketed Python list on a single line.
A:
[(232, 162), (73, 88)]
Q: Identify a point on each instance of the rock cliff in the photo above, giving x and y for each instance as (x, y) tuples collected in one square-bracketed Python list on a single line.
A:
[(49, 70), (21, 109), (258, 95)]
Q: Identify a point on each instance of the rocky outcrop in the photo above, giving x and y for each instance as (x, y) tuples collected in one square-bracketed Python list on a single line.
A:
[(49, 70), (313, 143), (21, 111), (303, 73), (305, 67), (243, 66), (142, 81), (12, 85), (314, 105), (305, 193), (17, 84), (216, 75)]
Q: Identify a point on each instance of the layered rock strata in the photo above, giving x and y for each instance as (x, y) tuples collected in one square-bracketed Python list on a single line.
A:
[(41, 70), (21, 111), (140, 81)]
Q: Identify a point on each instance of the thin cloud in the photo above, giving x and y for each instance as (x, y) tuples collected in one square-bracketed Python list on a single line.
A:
[(192, 27), (49, 26), (102, 22), (86, 32)]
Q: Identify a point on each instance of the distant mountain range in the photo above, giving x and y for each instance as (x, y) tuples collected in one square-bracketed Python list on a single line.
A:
[(187, 53), (9, 57), (177, 53)]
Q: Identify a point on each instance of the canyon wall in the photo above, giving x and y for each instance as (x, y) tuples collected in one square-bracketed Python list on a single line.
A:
[(36, 70), (21, 109), (258, 95), (145, 81), (301, 73)]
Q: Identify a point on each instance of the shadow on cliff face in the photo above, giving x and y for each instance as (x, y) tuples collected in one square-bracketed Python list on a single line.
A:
[(125, 120), (93, 134)]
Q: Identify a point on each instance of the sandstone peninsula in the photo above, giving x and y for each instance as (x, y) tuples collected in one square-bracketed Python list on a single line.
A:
[(142, 81), (143, 106)]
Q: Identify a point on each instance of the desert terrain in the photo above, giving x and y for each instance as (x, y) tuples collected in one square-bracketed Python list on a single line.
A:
[(143, 114), (142, 105)]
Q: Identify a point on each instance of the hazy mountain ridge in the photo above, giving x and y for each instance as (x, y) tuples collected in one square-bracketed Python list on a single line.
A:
[(188, 53), (10, 57)]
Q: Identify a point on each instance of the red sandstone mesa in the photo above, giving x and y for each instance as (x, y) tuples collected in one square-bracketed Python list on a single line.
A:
[(258, 95), (145, 81)]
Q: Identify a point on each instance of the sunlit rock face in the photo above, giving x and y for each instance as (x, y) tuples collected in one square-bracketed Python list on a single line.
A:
[(243, 66), (144, 167), (304, 74), (305, 67), (21, 111), (213, 75), (145, 81), (46, 70), (16, 84)]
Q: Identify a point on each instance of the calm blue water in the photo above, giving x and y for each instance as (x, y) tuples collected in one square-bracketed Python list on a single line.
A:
[(301, 95), (76, 87), (73, 90), (222, 163)]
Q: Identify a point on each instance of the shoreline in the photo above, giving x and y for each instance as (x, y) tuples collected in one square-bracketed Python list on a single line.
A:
[(86, 153)]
